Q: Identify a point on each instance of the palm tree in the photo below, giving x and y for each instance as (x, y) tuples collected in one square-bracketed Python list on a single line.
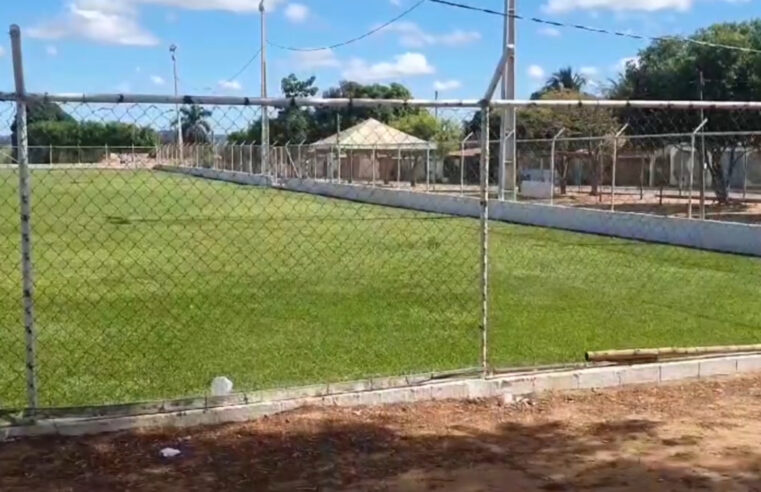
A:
[(564, 79), (195, 128)]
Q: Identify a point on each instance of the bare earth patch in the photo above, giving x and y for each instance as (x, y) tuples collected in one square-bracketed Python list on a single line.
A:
[(701, 435)]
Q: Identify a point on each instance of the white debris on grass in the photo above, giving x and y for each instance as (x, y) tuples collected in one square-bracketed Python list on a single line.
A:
[(221, 386)]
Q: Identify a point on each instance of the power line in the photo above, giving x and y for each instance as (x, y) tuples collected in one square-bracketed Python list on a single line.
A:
[(355, 39), (597, 30), (245, 66)]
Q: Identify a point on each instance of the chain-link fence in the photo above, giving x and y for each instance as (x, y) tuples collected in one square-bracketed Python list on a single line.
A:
[(154, 243)]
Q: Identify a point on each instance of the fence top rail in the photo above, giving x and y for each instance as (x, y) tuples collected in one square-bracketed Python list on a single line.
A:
[(362, 102), (635, 136)]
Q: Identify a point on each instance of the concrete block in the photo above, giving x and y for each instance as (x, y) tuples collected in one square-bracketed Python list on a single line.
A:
[(718, 367), (481, 388), (350, 386), (517, 386), (346, 399), (751, 363), (421, 393), (394, 396), (598, 378), (555, 382), (449, 391), (674, 371), (640, 374)]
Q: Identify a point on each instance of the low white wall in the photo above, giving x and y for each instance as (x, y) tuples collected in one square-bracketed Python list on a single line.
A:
[(709, 235)]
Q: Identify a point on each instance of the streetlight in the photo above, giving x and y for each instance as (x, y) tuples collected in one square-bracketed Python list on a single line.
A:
[(173, 51)]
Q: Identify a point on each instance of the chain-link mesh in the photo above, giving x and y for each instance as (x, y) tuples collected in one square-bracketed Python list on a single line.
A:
[(557, 294), (171, 246), (150, 283), (12, 385)]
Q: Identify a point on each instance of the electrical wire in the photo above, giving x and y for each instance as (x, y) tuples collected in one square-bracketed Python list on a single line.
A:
[(596, 29), (355, 39), (245, 66)]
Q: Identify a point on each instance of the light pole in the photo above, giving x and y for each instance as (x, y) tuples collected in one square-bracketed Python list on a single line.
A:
[(507, 120), (173, 51), (265, 116)]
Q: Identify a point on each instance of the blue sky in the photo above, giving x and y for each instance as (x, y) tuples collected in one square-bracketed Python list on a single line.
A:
[(122, 45)]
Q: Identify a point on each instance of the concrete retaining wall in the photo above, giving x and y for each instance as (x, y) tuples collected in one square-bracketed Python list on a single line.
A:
[(364, 393), (708, 235)]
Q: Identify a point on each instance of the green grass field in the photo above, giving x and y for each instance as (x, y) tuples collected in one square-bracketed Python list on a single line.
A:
[(150, 284)]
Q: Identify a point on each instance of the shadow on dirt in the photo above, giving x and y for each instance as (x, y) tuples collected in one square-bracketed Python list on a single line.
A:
[(354, 451)]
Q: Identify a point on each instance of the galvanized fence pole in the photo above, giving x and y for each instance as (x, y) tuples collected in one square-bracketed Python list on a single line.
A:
[(615, 165), (484, 174), (745, 174), (552, 164), (25, 193), (693, 139)]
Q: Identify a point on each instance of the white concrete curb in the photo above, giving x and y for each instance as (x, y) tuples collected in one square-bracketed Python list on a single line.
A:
[(709, 235), (473, 388)]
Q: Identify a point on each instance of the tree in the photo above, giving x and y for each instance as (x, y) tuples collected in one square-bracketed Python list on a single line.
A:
[(671, 70), (296, 124), (444, 134), (39, 111), (326, 117), (195, 127), (293, 123), (565, 79), (543, 122)]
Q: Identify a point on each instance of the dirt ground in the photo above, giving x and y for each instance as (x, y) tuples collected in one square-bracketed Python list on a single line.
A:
[(738, 210), (696, 436)]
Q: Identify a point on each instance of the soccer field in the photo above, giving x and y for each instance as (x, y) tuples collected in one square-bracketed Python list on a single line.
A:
[(150, 284)]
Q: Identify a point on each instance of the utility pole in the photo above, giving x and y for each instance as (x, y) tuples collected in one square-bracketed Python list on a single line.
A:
[(436, 108), (507, 121), (173, 51), (265, 116)]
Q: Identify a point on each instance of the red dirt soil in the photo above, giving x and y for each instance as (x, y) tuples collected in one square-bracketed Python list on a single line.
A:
[(701, 435)]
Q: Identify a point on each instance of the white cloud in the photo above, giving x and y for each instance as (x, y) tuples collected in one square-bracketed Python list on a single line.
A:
[(562, 6), (228, 5), (412, 35), (51, 50), (406, 65), (589, 71), (124, 87), (104, 21), (308, 60), (396, 2), (2, 51), (621, 64), (550, 32), (536, 72), (230, 85), (296, 12), (157, 80), (447, 85)]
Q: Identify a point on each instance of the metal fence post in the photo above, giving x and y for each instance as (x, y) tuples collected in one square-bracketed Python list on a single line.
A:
[(428, 168), (615, 165), (692, 165), (745, 174), (484, 172), (552, 165), (25, 216)]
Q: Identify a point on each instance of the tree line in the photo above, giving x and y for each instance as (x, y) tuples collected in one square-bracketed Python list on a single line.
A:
[(667, 69)]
